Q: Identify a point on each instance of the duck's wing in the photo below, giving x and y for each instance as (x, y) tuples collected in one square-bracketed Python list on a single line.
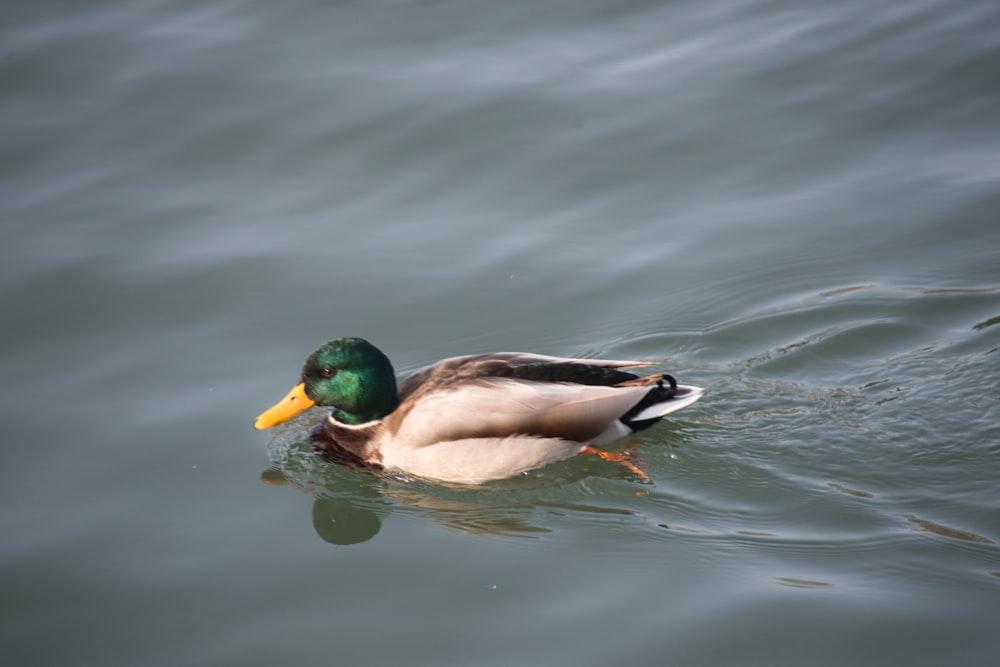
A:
[(458, 369), (502, 407)]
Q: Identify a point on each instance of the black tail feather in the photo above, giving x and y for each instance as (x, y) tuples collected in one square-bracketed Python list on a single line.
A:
[(657, 394)]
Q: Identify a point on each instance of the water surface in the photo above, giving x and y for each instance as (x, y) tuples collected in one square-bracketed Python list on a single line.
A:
[(792, 205)]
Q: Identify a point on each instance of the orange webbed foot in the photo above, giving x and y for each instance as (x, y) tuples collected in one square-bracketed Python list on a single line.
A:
[(622, 458)]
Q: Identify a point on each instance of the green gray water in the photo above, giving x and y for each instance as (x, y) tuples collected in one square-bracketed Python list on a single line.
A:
[(793, 205)]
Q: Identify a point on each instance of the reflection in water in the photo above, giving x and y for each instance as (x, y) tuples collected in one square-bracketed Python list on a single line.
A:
[(794, 582), (986, 323), (338, 521), (682, 529), (850, 492), (946, 531), (348, 505), (349, 515)]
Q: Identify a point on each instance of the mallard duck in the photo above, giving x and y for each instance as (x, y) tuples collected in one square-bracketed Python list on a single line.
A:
[(473, 418)]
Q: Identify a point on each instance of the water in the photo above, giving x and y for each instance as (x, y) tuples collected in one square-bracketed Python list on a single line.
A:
[(790, 204)]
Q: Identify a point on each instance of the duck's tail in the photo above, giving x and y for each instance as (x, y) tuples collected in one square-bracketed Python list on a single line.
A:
[(664, 397)]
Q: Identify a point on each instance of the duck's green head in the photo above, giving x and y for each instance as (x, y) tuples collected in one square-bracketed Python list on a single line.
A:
[(349, 374)]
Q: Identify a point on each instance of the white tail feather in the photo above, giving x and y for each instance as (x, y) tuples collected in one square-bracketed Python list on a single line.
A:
[(685, 396)]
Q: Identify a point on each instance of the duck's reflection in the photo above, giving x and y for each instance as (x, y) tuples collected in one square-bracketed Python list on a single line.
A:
[(345, 511), (349, 505), (338, 521)]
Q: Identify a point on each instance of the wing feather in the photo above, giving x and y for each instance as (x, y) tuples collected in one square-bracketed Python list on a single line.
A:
[(503, 407)]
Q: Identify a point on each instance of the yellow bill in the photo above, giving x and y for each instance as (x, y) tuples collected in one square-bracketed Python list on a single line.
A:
[(285, 409)]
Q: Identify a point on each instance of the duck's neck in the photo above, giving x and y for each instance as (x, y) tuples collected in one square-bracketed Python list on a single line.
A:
[(374, 400), (357, 418)]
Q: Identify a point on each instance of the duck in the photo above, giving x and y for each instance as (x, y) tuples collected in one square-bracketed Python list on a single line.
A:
[(474, 418)]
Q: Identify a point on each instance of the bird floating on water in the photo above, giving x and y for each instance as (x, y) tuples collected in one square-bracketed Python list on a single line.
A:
[(474, 418)]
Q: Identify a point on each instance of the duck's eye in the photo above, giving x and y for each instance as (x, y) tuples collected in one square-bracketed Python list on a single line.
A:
[(328, 372)]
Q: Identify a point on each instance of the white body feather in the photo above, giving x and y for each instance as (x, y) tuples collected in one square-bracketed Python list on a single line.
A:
[(426, 445)]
